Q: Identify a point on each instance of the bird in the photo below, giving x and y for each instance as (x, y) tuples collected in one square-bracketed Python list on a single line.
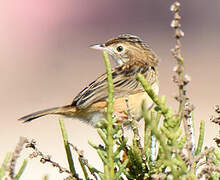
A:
[(131, 56)]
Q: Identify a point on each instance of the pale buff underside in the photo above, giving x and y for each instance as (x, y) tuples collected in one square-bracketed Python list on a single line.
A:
[(95, 112)]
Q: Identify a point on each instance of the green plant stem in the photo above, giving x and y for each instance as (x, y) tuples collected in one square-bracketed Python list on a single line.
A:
[(83, 168), (167, 113), (67, 148), (21, 170), (201, 138), (102, 135), (162, 140), (217, 154), (122, 167), (147, 140), (45, 177), (110, 153), (2, 168), (160, 137)]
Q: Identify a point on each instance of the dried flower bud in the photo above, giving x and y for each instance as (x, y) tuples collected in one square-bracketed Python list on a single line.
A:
[(177, 47), (31, 156), (61, 170), (42, 160), (48, 157), (189, 107), (69, 178), (81, 153), (215, 120), (212, 118), (187, 79), (175, 7), (33, 141), (175, 23), (217, 108), (175, 79), (177, 16), (173, 51), (175, 68), (217, 140), (54, 164), (179, 99), (179, 33), (34, 154)]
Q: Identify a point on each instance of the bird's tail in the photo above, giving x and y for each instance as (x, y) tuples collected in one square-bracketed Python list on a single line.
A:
[(65, 110)]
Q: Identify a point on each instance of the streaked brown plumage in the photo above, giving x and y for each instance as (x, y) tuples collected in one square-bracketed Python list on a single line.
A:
[(132, 56)]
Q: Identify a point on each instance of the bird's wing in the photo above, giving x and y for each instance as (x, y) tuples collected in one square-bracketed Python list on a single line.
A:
[(124, 81)]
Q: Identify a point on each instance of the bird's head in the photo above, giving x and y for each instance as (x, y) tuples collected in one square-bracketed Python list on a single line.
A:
[(128, 48)]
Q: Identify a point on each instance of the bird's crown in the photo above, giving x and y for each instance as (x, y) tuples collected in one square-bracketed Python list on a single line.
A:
[(127, 38)]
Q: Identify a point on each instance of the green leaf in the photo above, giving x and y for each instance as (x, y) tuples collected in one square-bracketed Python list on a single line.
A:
[(201, 138), (21, 170), (83, 168), (109, 168), (5, 162), (67, 147)]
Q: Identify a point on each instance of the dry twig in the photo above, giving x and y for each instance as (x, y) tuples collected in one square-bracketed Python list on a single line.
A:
[(84, 160), (182, 155), (185, 108), (203, 154), (15, 156), (134, 126), (46, 158), (207, 171), (216, 120)]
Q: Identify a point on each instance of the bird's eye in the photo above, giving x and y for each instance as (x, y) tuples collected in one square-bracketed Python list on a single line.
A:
[(119, 48)]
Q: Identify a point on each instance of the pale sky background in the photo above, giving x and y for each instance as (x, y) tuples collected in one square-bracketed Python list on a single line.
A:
[(45, 61)]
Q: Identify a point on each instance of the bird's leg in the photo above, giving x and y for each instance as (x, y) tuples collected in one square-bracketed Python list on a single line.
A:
[(124, 117), (130, 117), (133, 123)]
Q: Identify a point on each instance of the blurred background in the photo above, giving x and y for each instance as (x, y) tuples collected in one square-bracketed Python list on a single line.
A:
[(45, 61)]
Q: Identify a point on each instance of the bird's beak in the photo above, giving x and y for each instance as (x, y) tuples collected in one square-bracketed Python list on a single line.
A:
[(98, 46)]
